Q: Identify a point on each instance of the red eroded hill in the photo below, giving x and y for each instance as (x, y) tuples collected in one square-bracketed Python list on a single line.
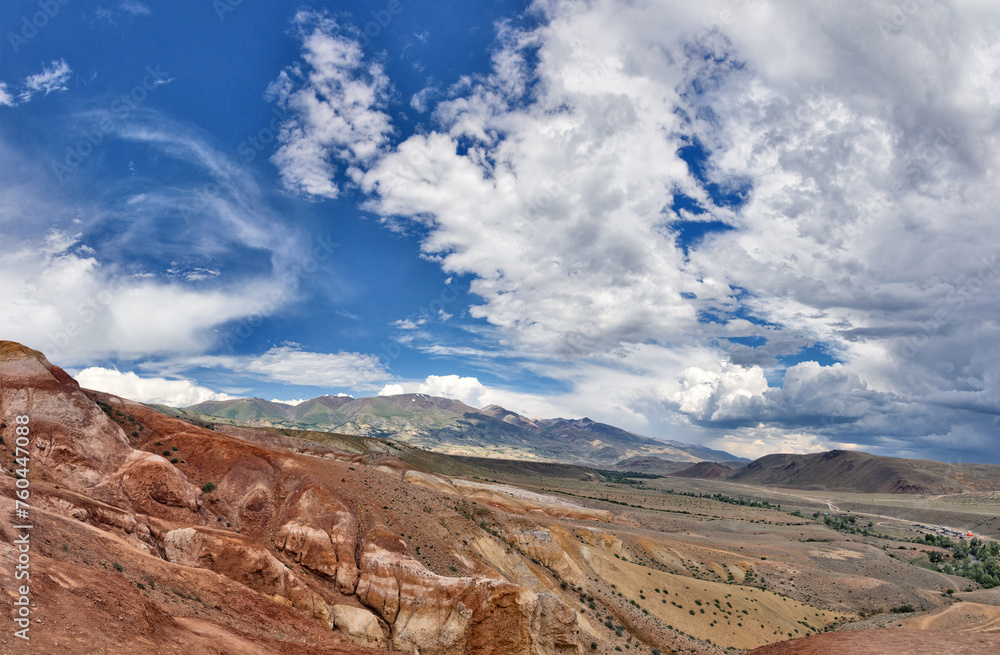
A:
[(152, 535), (888, 642)]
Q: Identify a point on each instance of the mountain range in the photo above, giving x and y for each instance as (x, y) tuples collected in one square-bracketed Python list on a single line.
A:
[(842, 470), (450, 426)]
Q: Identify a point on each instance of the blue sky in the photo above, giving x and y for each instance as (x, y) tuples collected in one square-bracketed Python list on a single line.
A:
[(758, 227)]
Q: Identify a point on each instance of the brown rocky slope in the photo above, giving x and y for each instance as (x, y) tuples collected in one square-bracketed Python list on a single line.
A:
[(152, 535), (855, 471), (888, 642)]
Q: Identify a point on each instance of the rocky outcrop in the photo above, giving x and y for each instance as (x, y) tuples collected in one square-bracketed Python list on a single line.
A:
[(319, 532), (554, 627), (246, 562), (131, 528), (73, 441), (539, 543), (360, 625), (436, 615), (149, 483)]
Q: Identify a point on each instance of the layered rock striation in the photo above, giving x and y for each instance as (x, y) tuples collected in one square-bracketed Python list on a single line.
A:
[(301, 532)]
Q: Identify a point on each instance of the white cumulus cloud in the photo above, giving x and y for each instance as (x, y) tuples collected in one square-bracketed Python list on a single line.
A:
[(720, 395), (163, 391), (391, 390), (334, 99), (467, 389), (851, 155), (757, 442)]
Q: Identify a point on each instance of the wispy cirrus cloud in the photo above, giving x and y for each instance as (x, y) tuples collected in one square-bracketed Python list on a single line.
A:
[(168, 381), (288, 364), (135, 8), (52, 78), (291, 365), (95, 286)]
